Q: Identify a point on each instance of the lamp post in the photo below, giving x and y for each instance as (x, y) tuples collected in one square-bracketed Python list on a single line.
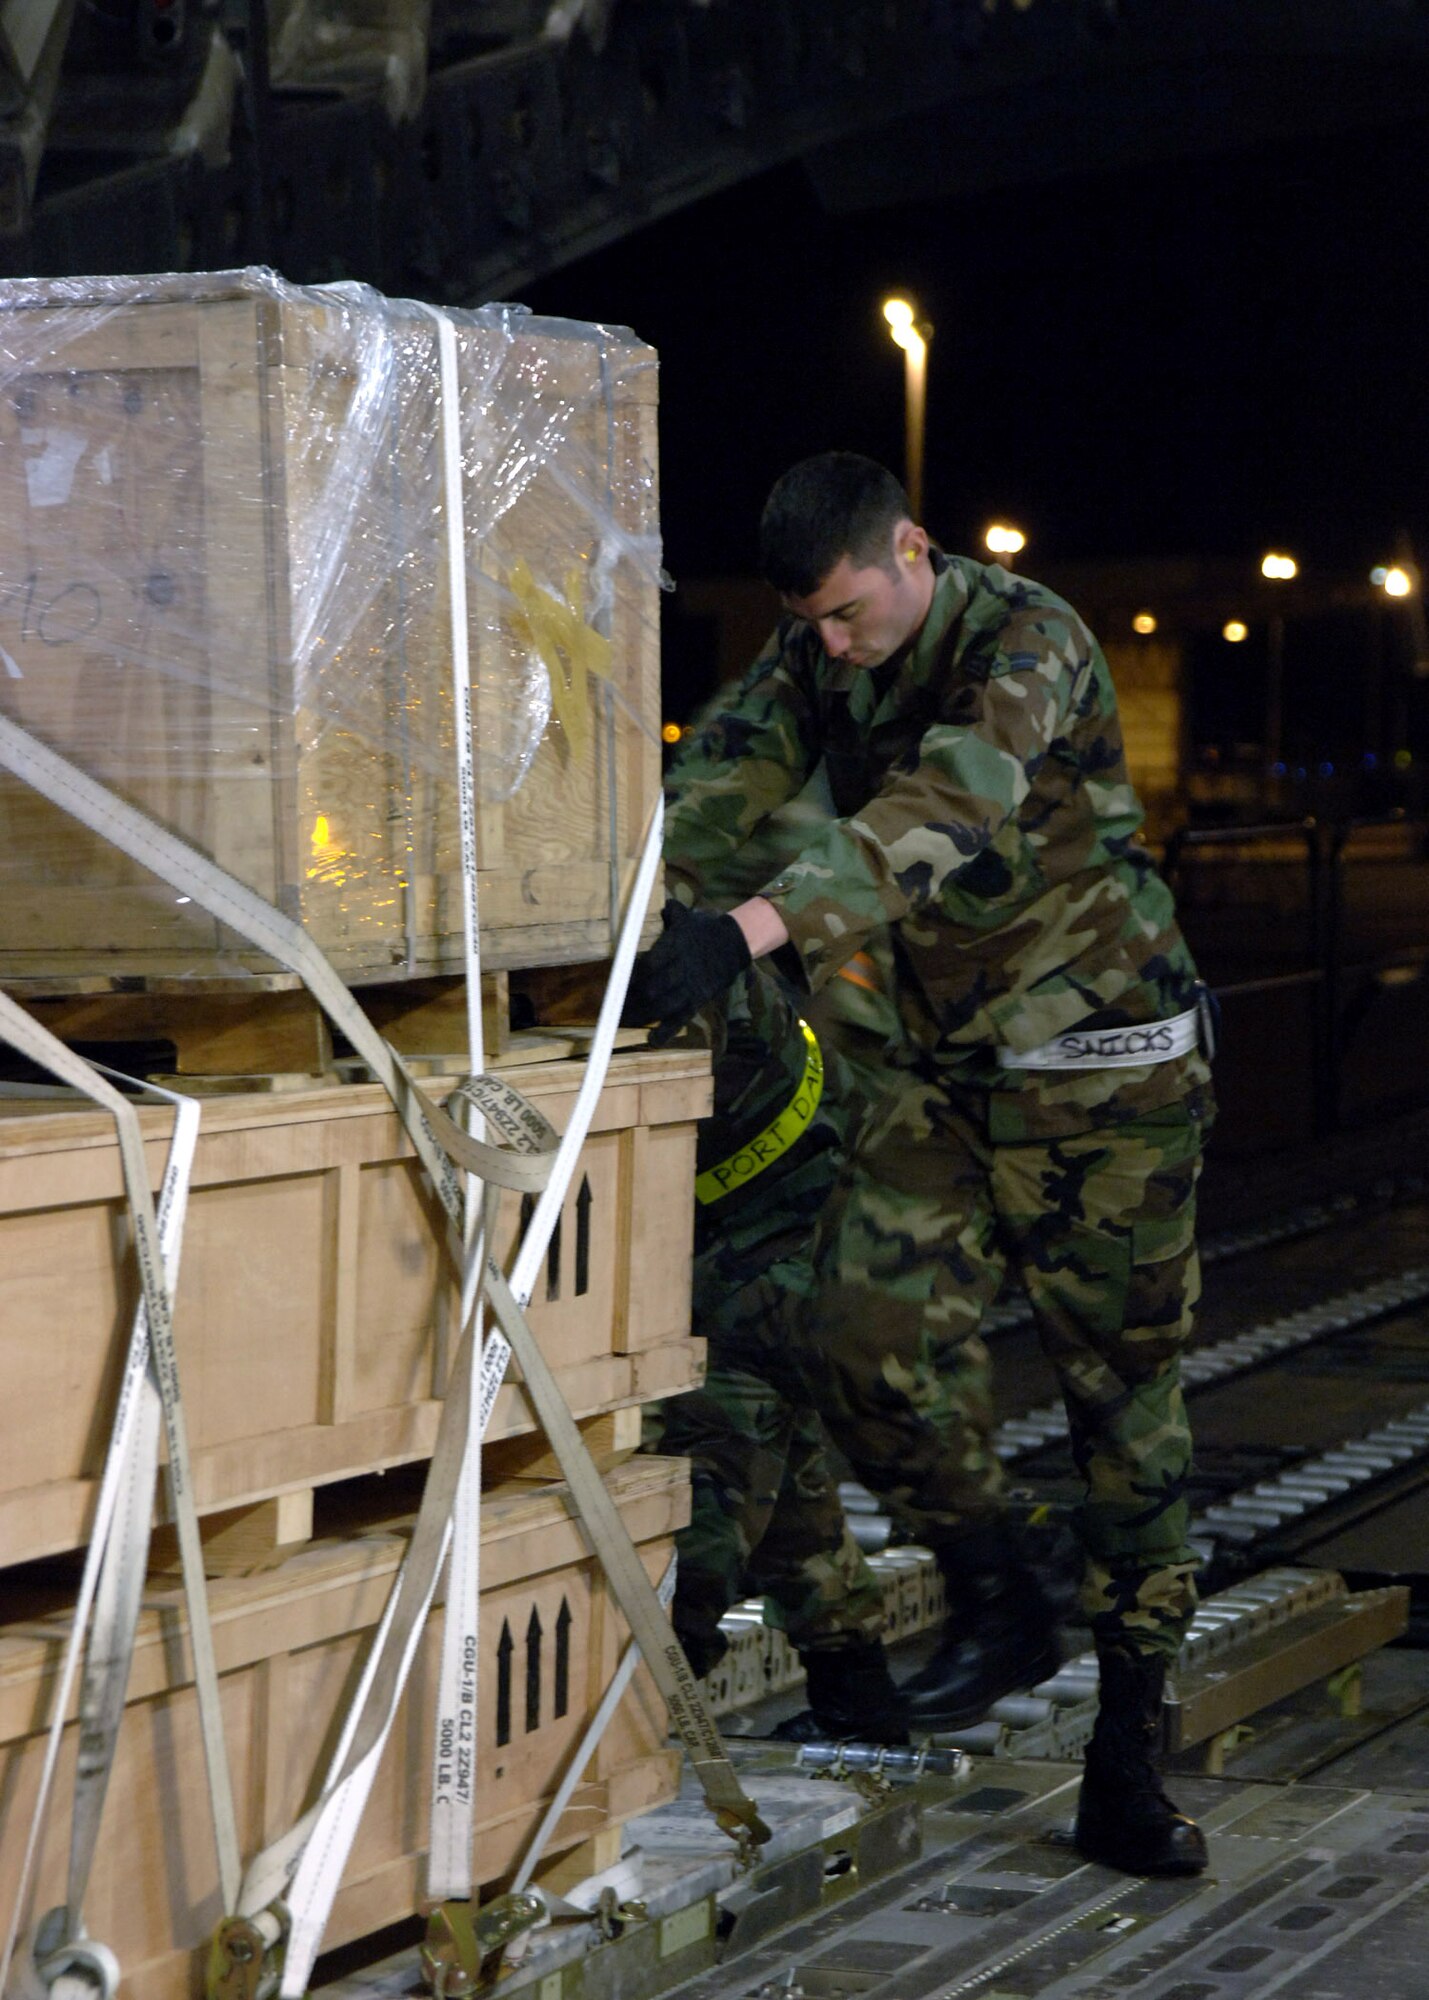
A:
[(912, 335), (1277, 568), (1395, 580)]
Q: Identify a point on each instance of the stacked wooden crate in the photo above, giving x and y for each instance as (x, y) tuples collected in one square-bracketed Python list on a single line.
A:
[(316, 1304), (223, 593)]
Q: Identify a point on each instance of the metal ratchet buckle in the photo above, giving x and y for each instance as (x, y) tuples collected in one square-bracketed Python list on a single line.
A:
[(73, 1968), (245, 1957), (748, 1835), (463, 1947), (611, 1916)]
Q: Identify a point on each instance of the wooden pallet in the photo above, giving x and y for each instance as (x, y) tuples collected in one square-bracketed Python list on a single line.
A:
[(289, 1644), (213, 610), (245, 1541), (266, 1032), (315, 1302), (262, 1032)]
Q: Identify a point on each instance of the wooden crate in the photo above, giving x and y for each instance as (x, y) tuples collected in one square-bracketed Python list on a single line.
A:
[(288, 1646), (315, 1303), (223, 591)]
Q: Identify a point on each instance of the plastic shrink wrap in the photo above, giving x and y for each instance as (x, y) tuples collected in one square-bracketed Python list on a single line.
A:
[(224, 593)]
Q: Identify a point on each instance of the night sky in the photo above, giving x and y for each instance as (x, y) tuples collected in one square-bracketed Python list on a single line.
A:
[(1209, 357)]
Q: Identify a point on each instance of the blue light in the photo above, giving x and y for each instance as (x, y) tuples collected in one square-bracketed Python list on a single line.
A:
[(1371, 762), (1327, 770), (1278, 770)]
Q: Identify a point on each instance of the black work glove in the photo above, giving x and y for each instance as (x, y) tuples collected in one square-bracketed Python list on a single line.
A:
[(696, 957)]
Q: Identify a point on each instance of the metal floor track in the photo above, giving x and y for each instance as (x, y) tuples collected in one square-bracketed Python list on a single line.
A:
[(968, 1889), (1319, 1883), (1327, 1896)]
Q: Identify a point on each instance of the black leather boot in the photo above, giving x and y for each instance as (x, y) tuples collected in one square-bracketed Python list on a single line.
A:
[(851, 1699), (1000, 1633), (1124, 1819)]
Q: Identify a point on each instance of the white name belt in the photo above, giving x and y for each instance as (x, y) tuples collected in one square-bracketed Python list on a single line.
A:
[(1110, 1048)]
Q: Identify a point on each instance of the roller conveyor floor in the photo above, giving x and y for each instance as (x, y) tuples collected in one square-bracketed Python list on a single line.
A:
[(1309, 1399)]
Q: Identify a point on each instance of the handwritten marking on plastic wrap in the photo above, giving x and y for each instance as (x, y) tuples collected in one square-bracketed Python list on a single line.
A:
[(56, 617), (567, 646)]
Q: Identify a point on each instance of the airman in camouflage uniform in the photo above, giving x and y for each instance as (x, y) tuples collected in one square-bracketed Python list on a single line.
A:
[(1052, 1097), (766, 1518)]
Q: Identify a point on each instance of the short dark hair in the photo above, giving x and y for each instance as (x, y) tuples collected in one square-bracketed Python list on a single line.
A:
[(838, 504)]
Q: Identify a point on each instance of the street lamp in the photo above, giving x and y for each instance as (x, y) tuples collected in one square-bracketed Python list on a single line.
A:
[(1277, 568), (1002, 539), (912, 335)]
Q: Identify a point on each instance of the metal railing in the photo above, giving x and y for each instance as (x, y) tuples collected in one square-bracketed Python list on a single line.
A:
[(1342, 966)]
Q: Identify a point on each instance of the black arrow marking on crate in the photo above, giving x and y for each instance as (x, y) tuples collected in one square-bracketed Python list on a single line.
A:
[(553, 1263), (561, 1693), (583, 1207), (505, 1647), (533, 1671)]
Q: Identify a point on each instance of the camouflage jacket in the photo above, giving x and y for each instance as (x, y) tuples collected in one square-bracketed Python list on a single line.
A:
[(986, 818)]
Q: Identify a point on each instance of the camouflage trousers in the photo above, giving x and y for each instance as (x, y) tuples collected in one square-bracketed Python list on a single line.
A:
[(1100, 1227), (766, 1518)]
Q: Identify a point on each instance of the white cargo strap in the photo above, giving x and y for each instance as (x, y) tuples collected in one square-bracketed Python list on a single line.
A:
[(114, 1566), (315, 1853), (434, 1135), (1110, 1048), (589, 1743), (453, 1813), (439, 1142), (121, 1581)]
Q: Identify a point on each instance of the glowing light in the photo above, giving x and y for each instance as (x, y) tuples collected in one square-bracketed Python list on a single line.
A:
[(1279, 567), (903, 325), (322, 836), (1004, 540), (1397, 582), (671, 733), (1144, 623), (1234, 631)]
